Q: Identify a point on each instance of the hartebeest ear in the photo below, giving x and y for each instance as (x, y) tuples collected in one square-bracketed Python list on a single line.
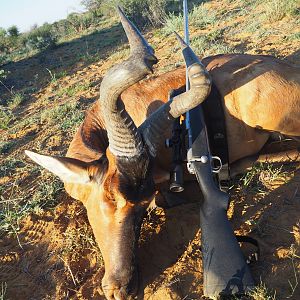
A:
[(69, 170)]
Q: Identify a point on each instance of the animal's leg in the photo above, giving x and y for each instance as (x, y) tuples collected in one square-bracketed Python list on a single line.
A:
[(243, 164)]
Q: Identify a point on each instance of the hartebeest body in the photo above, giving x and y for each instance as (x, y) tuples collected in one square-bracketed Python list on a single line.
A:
[(117, 156)]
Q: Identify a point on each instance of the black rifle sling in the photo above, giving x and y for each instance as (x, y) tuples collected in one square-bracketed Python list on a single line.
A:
[(254, 256), (216, 129)]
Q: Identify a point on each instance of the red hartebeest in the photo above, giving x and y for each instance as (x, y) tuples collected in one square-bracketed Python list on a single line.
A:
[(113, 165)]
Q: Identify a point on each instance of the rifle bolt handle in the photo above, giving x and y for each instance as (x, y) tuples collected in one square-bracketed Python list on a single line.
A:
[(204, 159)]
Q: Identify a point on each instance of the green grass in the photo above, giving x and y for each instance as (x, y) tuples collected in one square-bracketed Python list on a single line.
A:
[(89, 58), (72, 90), (6, 117), (6, 146), (17, 203), (45, 196), (276, 10), (9, 166), (16, 100), (293, 37), (261, 176), (72, 120), (65, 116), (119, 55), (68, 115), (211, 44), (35, 119), (57, 113), (55, 76)]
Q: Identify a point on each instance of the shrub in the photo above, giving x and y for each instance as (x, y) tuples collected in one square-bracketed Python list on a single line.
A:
[(80, 22), (211, 44), (75, 22), (3, 47), (62, 28), (2, 32), (6, 146), (92, 5), (173, 23), (40, 38), (4, 41), (12, 39), (276, 10), (16, 100), (148, 12), (5, 117), (3, 74), (200, 16), (13, 31)]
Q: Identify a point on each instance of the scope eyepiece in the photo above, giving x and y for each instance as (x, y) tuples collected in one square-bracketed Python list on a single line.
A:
[(176, 179)]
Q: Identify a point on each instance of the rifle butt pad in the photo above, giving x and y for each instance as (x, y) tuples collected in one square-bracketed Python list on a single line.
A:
[(225, 269)]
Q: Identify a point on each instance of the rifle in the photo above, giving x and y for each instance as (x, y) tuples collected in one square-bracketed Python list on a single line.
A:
[(225, 270)]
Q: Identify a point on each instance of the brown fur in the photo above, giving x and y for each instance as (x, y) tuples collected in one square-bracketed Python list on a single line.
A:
[(259, 94)]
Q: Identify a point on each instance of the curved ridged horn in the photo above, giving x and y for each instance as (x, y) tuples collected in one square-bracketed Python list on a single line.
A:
[(161, 120), (124, 138)]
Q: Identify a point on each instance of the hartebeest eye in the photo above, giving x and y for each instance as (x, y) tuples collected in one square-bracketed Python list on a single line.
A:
[(98, 169)]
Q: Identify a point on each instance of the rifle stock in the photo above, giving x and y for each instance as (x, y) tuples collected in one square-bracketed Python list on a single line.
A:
[(225, 270)]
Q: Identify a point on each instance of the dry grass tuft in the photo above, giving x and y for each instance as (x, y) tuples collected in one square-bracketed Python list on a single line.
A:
[(261, 292), (276, 10)]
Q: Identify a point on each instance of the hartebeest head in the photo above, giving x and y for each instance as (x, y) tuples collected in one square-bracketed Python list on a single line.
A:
[(117, 188)]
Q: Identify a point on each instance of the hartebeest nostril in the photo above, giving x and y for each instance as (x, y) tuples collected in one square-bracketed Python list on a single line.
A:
[(110, 290), (115, 292), (114, 295), (120, 288)]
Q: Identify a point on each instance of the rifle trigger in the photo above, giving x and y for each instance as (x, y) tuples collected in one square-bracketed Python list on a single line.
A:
[(218, 168)]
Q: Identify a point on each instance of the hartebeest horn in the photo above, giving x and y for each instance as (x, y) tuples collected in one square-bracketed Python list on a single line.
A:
[(161, 120), (124, 138)]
